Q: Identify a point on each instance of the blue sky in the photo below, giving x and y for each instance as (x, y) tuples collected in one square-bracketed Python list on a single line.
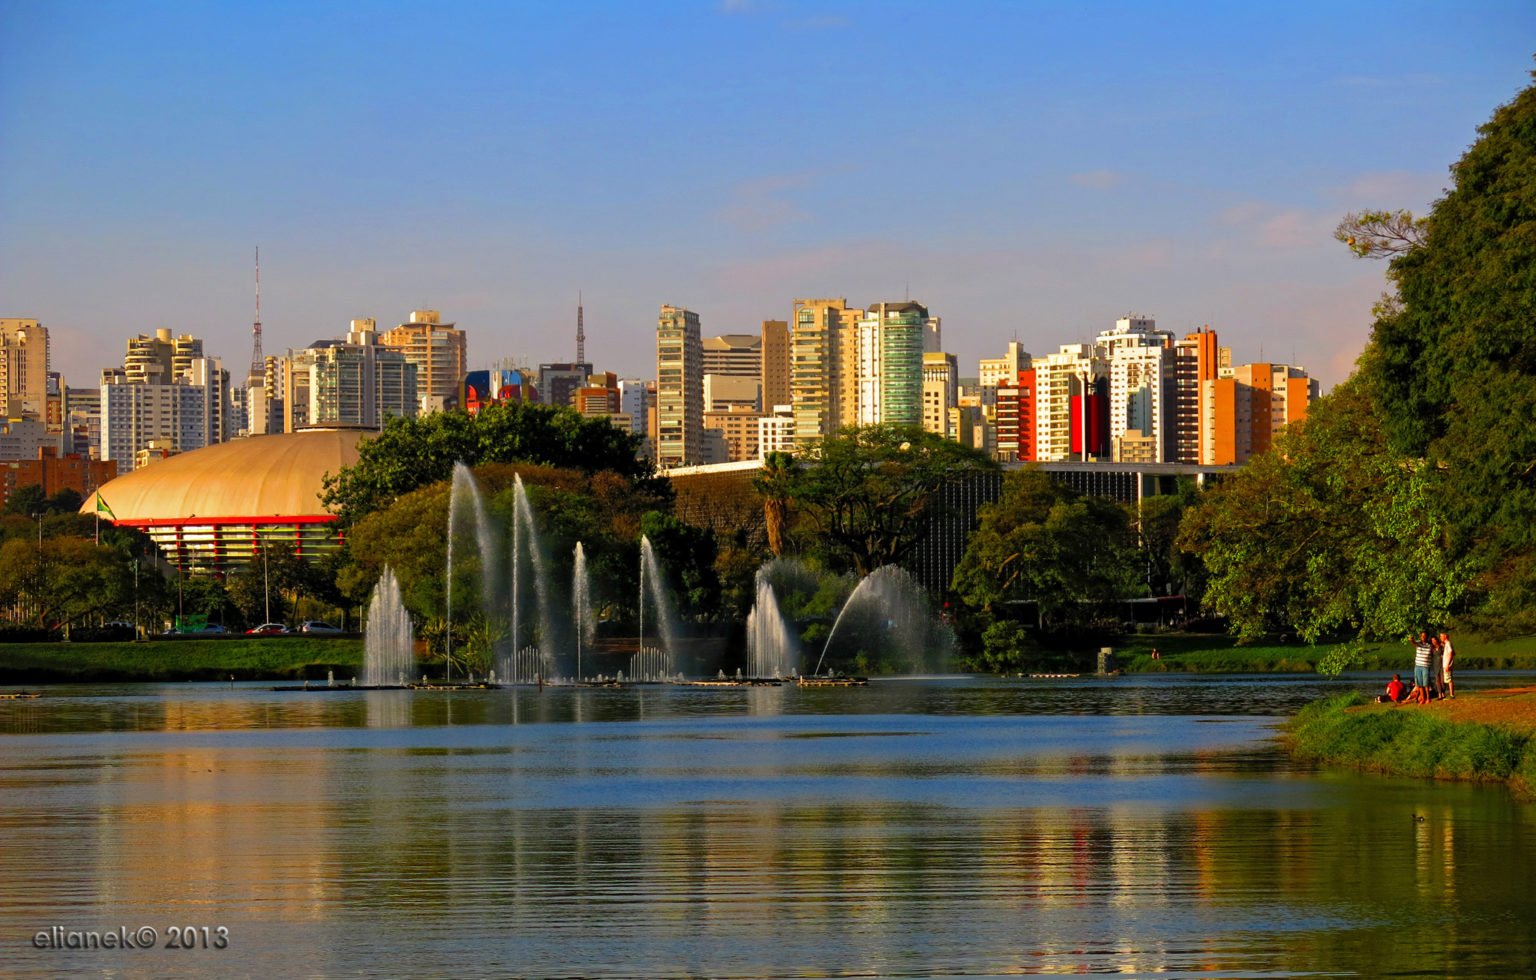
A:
[(1028, 170)]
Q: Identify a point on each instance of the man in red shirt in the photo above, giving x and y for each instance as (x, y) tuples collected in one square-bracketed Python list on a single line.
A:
[(1396, 689)]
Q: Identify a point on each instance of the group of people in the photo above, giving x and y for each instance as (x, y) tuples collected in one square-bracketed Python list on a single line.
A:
[(1432, 658)]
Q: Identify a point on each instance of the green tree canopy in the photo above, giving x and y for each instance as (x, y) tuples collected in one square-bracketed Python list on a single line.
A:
[(1044, 543), (412, 453), (1330, 534), (1451, 366), (866, 493)]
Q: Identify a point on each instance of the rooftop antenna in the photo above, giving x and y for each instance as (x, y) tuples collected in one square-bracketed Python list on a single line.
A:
[(581, 332), (258, 363)]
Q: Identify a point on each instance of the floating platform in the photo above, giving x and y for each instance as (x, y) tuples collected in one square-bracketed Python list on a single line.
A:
[(832, 681), (19, 695), (1052, 677), (737, 682)]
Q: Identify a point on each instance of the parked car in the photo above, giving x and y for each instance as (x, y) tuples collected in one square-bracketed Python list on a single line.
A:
[(212, 628), (268, 628), (316, 626)]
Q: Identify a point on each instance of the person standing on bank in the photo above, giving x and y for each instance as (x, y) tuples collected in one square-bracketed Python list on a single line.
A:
[(1421, 654), (1447, 654)]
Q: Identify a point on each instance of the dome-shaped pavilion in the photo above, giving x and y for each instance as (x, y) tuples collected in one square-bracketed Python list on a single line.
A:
[(216, 507)]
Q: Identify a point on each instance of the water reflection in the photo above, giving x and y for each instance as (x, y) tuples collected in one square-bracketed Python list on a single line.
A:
[(747, 833)]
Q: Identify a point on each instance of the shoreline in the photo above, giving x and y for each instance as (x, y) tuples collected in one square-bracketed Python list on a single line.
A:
[(1479, 736)]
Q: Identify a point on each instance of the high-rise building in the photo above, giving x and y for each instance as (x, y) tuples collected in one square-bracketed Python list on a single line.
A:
[(776, 431), (1015, 415), (356, 381), (1194, 363), (738, 426), (994, 371), (634, 402), (1246, 407), (940, 391), (723, 392), (558, 382), (1060, 380), (679, 388), (160, 358), (890, 364), (736, 355), (599, 397), (823, 371), (440, 352), (1140, 376), (23, 368), (775, 363), (174, 416)]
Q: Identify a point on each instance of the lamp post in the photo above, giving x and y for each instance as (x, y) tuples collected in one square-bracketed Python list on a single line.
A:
[(266, 582)]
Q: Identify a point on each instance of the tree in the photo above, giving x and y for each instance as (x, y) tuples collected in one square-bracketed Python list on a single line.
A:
[(1043, 543), (416, 452), (774, 482), (867, 492), (70, 580), (26, 501), (1331, 534), (1381, 234), (1451, 367)]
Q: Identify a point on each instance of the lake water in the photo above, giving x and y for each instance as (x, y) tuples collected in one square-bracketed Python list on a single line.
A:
[(942, 827)]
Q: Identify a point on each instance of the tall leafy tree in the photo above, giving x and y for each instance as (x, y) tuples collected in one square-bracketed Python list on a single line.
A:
[(412, 453), (866, 492), (1332, 534), (1451, 366), (1042, 543)]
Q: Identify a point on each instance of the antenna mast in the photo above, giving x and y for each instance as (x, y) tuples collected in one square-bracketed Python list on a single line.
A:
[(581, 332), (258, 363)]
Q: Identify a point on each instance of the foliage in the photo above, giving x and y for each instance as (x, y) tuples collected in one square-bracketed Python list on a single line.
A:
[(866, 493), (603, 510), (66, 580), (1381, 234), (416, 452), (1330, 533), (686, 555), (30, 500), (1170, 570), (774, 483), (1044, 543), (1451, 367)]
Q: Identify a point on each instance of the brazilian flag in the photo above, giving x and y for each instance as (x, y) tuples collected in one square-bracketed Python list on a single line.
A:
[(102, 508)]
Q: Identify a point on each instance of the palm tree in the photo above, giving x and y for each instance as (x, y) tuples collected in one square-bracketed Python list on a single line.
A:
[(773, 483)]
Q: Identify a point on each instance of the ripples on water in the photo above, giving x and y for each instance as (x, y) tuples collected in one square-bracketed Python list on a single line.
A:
[(1141, 826)]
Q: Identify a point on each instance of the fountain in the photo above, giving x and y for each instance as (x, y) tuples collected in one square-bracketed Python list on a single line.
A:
[(581, 606), (650, 576), (772, 648), (388, 654), (465, 494), (894, 620), (526, 544)]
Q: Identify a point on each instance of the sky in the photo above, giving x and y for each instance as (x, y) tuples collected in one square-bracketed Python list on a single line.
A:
[(1027, 170)]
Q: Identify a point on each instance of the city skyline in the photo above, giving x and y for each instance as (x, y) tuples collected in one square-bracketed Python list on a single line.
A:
[(1027, 172)]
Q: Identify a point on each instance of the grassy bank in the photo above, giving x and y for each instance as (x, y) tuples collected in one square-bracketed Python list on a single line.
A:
[(1207, 654), (254, 658), (1438, 741)]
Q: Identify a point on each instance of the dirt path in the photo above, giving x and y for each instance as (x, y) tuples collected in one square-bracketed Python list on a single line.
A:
[(1512, 707)]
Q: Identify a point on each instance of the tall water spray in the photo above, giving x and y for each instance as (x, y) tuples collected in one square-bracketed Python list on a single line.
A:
[(388, 654), (651, 582), (772, 648), (526, 536), (466, 514), (581, 606), (895, 621)]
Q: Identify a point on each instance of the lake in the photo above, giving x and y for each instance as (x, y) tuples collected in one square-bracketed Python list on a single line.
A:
[(914, 828)]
